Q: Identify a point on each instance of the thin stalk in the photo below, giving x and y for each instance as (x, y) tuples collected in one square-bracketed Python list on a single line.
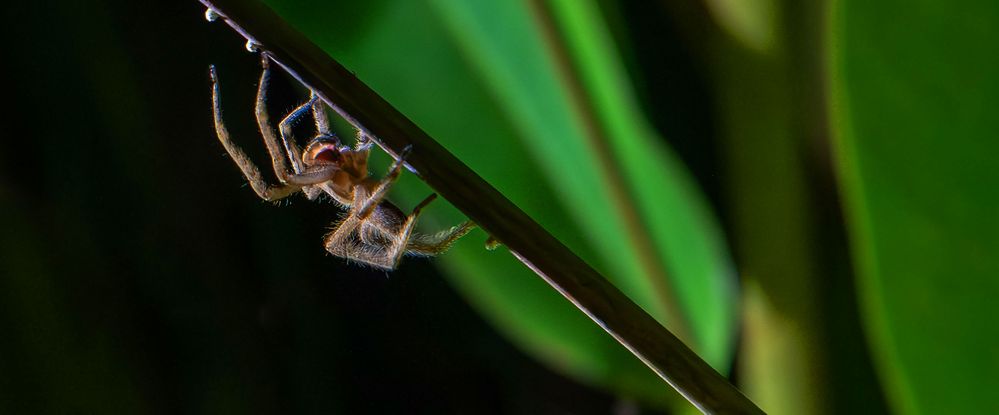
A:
[(637, 331)]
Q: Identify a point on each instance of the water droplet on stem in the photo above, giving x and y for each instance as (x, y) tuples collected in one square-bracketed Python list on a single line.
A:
[(252, 46), (211, 15)]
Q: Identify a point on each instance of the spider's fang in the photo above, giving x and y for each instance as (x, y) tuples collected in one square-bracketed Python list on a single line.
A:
[(328, 155)]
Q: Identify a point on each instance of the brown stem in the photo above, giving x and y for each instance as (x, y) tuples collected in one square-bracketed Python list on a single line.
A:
[(529, 242)]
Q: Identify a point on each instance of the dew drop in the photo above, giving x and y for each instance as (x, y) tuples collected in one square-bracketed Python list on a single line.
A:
[(211, 15), (252, 46)]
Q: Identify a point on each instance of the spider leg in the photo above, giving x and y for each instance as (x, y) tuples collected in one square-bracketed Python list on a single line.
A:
[(279, 159), (362, 150), (401, 239), (363, 142), (269, 192), (266, 191), (319, 115), (367, 205), (294, 152), (430, 245), (288, 136)]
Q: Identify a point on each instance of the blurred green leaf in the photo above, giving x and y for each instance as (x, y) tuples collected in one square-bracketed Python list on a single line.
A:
[(752, 22), (479, 77), (679, 222), (915, 92)]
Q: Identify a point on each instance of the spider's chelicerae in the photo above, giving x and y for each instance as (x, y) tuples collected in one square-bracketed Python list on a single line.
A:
[(374, 232)]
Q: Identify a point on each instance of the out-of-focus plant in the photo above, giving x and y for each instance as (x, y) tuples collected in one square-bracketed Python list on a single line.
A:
[(915, 92)]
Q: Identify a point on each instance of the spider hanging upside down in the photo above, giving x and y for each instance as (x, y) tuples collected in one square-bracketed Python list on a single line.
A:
[(375, 232)]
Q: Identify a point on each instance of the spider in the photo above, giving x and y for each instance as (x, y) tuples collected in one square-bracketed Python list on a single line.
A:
[(374, 232)]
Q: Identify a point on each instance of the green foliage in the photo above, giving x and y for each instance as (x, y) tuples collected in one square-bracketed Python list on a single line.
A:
[(482, 79), (914, 97)]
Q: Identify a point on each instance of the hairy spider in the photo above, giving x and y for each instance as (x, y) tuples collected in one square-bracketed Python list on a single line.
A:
[(374, 232)]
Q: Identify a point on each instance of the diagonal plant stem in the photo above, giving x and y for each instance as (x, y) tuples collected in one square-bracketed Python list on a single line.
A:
[(637, 331)]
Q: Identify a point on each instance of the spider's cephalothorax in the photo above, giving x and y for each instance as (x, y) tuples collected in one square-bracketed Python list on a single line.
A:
[(375, 232)]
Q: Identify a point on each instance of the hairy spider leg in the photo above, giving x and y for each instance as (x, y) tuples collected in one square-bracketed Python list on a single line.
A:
[(279, 159), (295, 152), (319, 115), (269, 192), (363, 142), (366, 205), (432, 245)]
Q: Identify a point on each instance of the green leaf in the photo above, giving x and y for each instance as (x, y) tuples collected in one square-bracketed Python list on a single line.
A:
[(479, 77), (915, 94), (678, 221)]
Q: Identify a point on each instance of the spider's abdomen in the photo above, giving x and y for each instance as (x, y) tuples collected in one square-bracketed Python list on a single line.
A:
[(388, 216)]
